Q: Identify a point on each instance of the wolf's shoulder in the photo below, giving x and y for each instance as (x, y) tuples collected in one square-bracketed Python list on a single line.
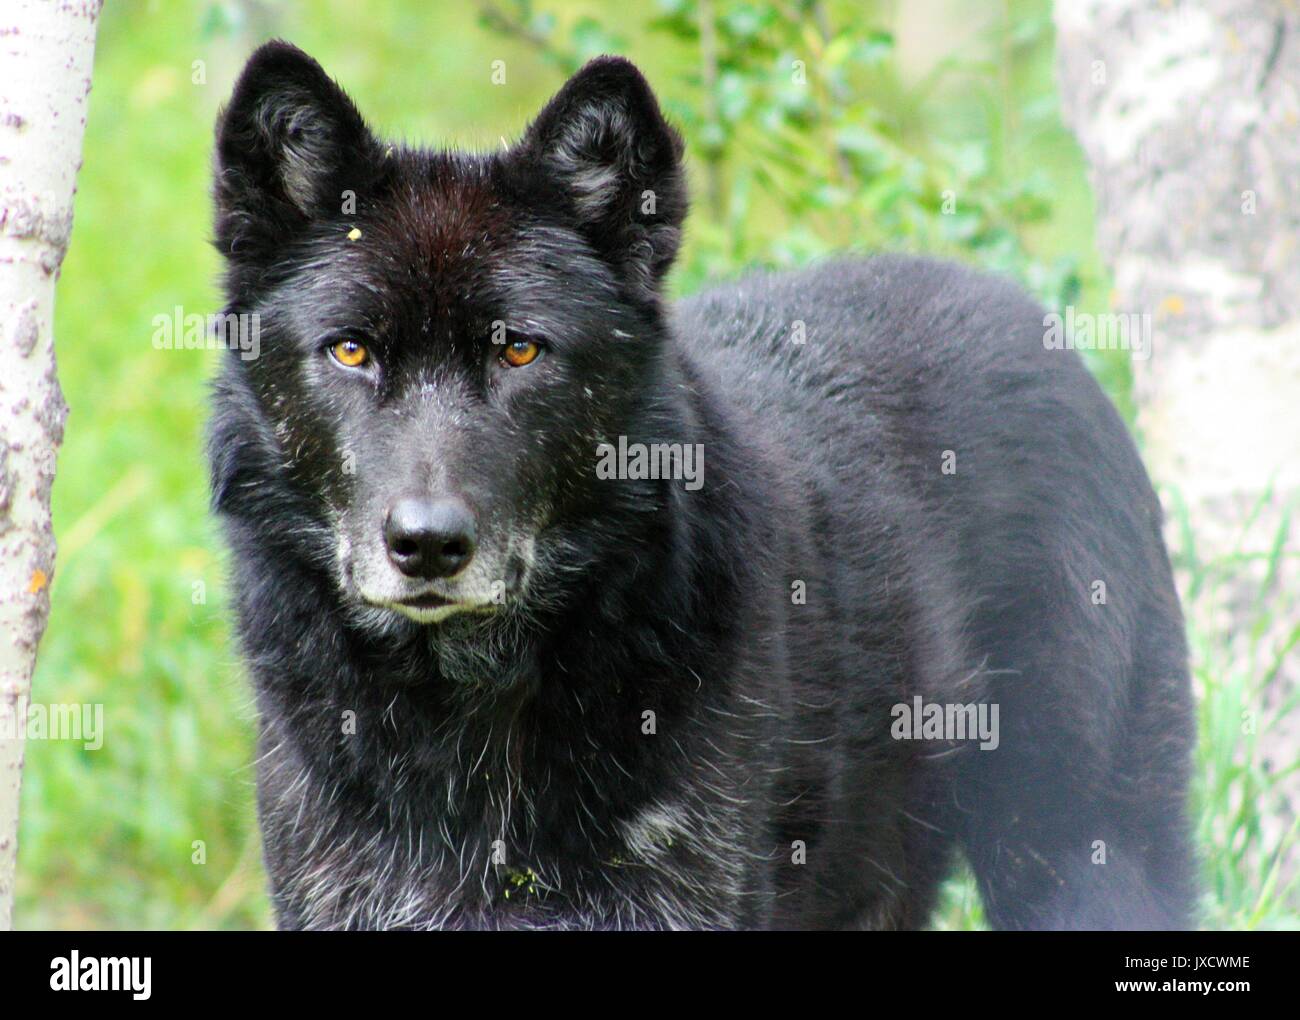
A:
[(873, 285), (906, 308)]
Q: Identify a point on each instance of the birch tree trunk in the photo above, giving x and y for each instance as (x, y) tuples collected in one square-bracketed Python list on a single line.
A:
[(1189, 115), (46, 54)]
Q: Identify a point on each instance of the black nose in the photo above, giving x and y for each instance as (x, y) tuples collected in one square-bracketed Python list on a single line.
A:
[(429, 538)]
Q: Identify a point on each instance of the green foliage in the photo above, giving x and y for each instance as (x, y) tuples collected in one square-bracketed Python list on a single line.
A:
[(1245, 884), (797, 158)]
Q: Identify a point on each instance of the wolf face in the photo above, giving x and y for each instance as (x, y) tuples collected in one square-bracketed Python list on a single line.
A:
[(446, 338)]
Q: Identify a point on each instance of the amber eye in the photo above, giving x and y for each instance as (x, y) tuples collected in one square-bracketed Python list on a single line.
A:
[(350, 354), (520, 352)]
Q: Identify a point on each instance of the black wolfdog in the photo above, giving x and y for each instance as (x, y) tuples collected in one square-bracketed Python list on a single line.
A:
[(860, 513)]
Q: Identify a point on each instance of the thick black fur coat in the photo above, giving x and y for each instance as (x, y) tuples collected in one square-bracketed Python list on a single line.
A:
[(498, 688)]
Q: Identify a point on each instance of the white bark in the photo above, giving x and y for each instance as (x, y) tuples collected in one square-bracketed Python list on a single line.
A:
[(46, 55), (1189, 115)]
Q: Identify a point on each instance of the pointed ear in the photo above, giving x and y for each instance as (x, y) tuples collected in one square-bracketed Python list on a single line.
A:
[(615, 165), (288, 144)]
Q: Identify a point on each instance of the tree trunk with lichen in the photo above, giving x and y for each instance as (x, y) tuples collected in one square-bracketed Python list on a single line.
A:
[(1189, 116), (46, 53)]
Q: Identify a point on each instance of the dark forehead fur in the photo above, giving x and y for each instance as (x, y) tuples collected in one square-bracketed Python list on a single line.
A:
[(439, 218), (427, 223), (445, 235)]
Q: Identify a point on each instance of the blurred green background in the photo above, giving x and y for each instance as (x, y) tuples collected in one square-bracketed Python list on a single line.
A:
[(931, 125)]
